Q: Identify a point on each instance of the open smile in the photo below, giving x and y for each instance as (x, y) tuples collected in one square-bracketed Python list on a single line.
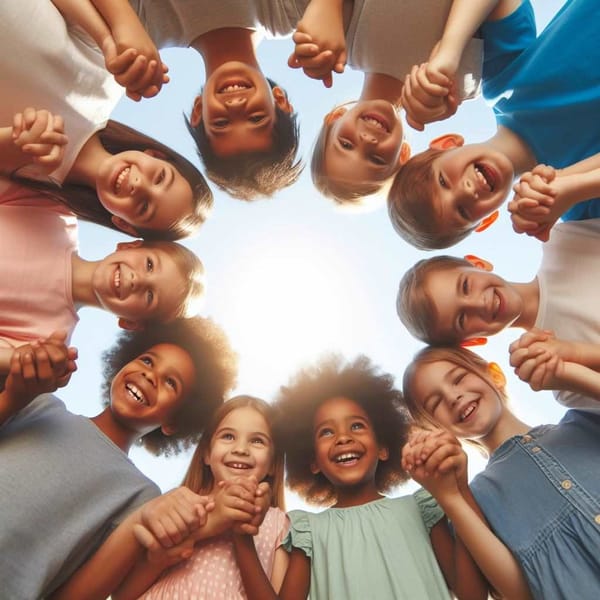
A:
[(468, 411), (497, 304), (232, 86), (486, 176), (135, 393), (121, 179), (347, 459), (117, 281), (238, 465), (377, 121)]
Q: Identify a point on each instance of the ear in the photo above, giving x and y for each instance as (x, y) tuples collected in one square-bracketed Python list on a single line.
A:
[(129, 245), (168, 429), (130, 325), (479, 263), (281, 100), (314, 469), (196, 116), (487, 222), (445, 142), (404, 153), (155, 153), (383, 453), (496, 374), (123, 225), (333, 115), (471, 342)]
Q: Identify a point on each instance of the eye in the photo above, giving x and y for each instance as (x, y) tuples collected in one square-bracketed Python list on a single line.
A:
[(149, 297), (149, 265), (325, 432), (463, 213), (219, 123), (465, 286), (357, 426), (259, 441), (461, 320), (459, 377), (442, 181), (257, 118), (345, 144), (227, 436), (377, 160), (161, 176), (172, 383), (432, 405), (143, 207), (147, 360)]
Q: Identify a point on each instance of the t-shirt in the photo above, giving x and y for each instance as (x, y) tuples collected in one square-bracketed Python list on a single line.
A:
[(64, 486)]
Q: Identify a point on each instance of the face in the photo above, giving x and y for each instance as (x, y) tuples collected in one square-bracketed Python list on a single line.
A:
[(346, 449), (139, 283), (364, 143), (143, 191), (237, 107), (457, 399), (470, 302), (146, 392), (470, 182), (241, 446)]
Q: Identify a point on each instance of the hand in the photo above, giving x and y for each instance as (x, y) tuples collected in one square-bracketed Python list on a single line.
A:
[(159, 556), (262, 502), (131, 56), (41, 135), (236, 503)]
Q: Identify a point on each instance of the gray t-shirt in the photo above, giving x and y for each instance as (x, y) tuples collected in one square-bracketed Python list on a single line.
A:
[(63, 487)]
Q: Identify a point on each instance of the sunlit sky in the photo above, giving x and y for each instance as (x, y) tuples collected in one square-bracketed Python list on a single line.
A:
[(292, 277)]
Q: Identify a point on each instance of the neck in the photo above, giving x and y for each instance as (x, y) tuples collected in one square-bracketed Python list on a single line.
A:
[(82, 273), (514, 148), (507, 426), (228, 44), (377, 86), (85, 167), (530, 296), (356, 495), (113, 430)]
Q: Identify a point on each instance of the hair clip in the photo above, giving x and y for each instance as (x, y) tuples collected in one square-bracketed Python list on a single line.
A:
[(487, 222), (478, 341), (497, 374), (480, 263)]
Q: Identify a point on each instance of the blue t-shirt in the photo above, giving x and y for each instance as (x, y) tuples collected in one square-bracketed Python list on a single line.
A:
[(547, 89), (541, 495)]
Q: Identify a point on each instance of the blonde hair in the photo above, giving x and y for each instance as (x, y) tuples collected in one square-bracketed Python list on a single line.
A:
[(199, 477)]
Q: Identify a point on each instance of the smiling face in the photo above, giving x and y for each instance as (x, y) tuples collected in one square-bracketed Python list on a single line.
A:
[(143, 191), (469, 302), (146, 393), (457, 398), (139, 283), (346, 449), (241, 446), (364, 143), (469, 183), (237, 107)]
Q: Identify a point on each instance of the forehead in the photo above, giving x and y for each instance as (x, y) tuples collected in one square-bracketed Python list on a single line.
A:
[(245, 418), (339, 408), (171, 356)]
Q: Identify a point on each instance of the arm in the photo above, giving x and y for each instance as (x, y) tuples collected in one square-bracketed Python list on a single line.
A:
[(296, 583), (84, 14)]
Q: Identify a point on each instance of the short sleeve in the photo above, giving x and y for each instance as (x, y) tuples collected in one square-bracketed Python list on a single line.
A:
[(299, 535), (282, 527), (430, 510)]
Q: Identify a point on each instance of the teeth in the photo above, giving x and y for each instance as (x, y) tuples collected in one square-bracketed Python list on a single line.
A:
[(137, 394), (346, 457), (235, 87), (483, 177), (121, 178), (496, 304), (117, 278), (374, 122), (465, 413), (238, 465)]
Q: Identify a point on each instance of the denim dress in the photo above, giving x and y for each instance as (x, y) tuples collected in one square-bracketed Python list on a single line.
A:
[(541, 495)]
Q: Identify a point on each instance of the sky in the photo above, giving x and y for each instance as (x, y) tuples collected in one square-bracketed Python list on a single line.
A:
[(292, 277)]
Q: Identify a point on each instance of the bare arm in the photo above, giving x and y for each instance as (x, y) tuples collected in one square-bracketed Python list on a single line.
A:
[(296, 583), (84, 14)]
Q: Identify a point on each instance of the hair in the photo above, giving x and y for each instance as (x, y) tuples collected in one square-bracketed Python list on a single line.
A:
[(216, 371), (191, 270), (459, 356), (251, 175), (116, 137), (410, 205), (415, 306), (341, 191), (199, 477), (359, 381)]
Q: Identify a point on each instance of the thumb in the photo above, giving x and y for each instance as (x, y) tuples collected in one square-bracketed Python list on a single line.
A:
[(340, 64), (145, 537)]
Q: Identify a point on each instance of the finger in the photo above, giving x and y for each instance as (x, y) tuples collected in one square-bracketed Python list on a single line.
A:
[(30, 115), (17, 125), (301, 37), (130, 77), (306, 51), (327, 80), (43, 367), (135, 96), (145, 537), (323, 61), (120, 63)]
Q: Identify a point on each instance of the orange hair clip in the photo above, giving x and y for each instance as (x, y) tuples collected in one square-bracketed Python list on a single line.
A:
[(497, 374), (478, 341), (478, 262), (487, 222)]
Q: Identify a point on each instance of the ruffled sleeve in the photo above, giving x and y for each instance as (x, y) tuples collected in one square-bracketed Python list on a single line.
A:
[(430, 510), (300, 534)]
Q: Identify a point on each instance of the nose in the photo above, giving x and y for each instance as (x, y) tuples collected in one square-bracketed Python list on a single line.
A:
[(469, 188), (343, 437), (236, 104), (368, 138), (148, 375), (240, 448)]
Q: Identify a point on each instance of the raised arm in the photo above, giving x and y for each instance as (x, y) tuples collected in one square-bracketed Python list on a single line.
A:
[(84, 14)]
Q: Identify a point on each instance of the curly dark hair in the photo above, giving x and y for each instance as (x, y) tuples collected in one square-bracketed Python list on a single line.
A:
[(359, 381), (252, 175), (216, 372)]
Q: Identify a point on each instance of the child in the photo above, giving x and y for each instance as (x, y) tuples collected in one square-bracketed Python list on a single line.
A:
[(64, 77), (539, 492), (141, 282), (446, 300), (66, 480), (360, 148), (443, 194), (342, 431), (243, 123), (237, 444)]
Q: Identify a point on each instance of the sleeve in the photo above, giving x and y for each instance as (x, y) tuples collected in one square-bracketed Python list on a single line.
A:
[(299, 535), (430, 510), (282, 526)]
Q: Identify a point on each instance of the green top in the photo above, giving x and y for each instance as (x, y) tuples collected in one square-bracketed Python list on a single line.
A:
[(379, 550)]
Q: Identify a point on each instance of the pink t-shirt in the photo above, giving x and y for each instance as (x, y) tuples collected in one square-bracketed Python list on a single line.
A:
[(212, 572), (37, 237)]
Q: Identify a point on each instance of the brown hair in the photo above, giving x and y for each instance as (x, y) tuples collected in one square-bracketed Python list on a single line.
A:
[(199, 477)]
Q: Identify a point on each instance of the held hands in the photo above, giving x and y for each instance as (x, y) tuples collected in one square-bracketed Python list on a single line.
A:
[(41, 135), (131, 56), (320, 45), (436, 460)]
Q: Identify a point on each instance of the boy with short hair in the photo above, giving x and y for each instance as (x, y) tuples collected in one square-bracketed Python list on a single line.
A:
[(66, 480), (541, 116)]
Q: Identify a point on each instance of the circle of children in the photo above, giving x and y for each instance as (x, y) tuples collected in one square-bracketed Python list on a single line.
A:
[(528, 526)]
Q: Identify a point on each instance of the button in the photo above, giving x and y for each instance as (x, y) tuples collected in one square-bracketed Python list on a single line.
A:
[(526, 439), (536, 449), (566, 484), (597, 519)]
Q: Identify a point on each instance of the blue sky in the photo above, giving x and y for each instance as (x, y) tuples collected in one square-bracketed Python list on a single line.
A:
[(292, 277)]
